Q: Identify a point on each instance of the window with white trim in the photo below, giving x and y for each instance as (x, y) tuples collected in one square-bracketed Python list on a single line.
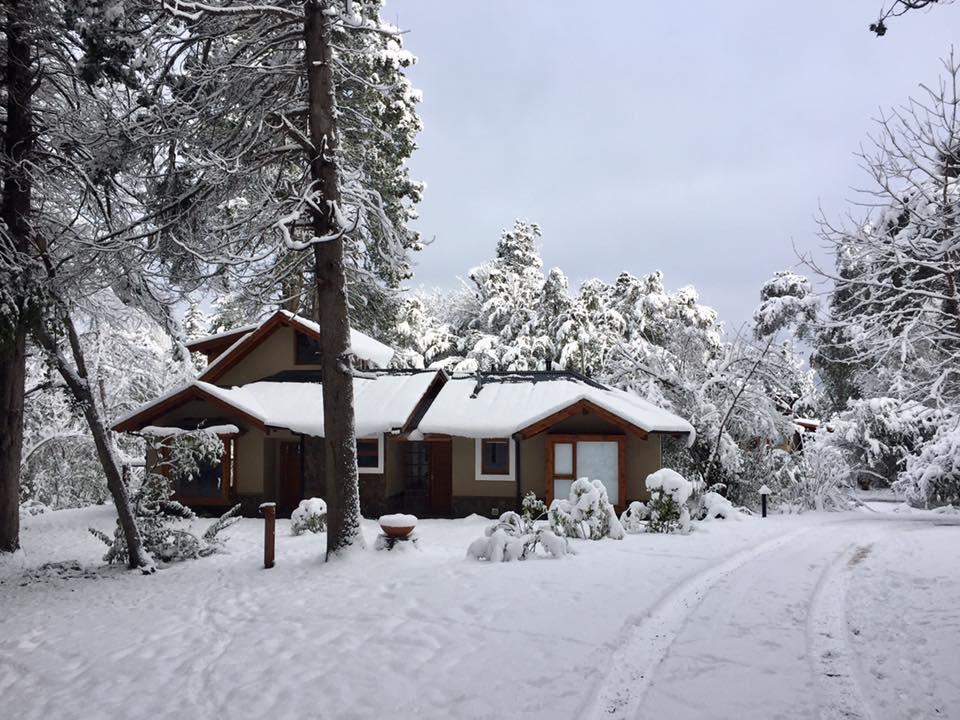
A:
[(495, 459), (370, 455)]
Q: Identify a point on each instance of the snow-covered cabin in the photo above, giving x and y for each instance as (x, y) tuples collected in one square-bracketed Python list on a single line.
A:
[(429, 443)]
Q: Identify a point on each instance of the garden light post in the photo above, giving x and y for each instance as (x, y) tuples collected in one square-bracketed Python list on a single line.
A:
[(764, 491)]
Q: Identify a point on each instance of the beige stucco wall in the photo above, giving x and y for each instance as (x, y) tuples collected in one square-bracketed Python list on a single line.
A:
[(248, 462), (274, 354), (533, 465), (643, 458), (465, 483)]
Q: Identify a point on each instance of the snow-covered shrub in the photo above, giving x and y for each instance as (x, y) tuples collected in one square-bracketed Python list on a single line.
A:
[(716, 505), (533, 508), (816, 478), (498, 546), (586, 513), (669, 492), (878, 434), (163, 536), (634, 516), (514, 537), (932, 474), (553, 544), (309, 516), (33, 507)]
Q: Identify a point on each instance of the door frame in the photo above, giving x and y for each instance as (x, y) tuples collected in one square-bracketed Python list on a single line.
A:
[(445, 499), (621, 440)]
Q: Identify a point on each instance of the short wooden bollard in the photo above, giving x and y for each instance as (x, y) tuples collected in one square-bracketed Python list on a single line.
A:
[(269, 510), (764, 491)]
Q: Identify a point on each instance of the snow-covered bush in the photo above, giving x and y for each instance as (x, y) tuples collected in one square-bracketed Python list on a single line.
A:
[(815, 478), (586, 513), (515, 537), (157, 516), (32, 507), (634, 517), (190, 452), (309, 516), (533, 508), (932, 474), (716, 505), (499, 546), (669, 492)]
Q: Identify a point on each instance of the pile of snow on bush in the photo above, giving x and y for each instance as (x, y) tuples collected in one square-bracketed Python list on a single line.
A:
[(586, 514), (515, 537), (669, 492), (310, 516)]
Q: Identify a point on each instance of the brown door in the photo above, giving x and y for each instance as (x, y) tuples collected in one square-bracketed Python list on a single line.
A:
[(441, 478), (290, 483)]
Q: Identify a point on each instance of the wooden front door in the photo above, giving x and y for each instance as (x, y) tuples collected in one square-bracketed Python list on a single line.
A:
[(441, 477), (290, 480)]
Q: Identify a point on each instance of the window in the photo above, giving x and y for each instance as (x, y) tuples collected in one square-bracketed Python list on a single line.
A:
[(495, 459), (370, 455), (306, 349), (418, 467), (596, 457)]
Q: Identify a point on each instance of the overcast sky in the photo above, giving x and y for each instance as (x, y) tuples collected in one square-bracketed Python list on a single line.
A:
[(697, 138)]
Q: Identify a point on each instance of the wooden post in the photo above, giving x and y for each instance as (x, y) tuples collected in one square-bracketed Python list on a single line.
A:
[(269, 510)]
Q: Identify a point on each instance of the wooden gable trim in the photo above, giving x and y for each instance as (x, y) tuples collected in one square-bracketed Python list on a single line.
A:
[(229, 361), (228, 338), (136, 422), (581, 407)]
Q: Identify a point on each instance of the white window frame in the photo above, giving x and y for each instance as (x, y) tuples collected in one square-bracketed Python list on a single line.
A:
[(511, 476), (378, 470)]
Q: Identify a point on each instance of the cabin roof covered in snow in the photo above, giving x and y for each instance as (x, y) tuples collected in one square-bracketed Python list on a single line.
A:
[(506, 403), (362, 346), (382, 402)]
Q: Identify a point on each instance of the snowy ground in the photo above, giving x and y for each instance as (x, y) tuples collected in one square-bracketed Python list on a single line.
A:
[(816, 616)]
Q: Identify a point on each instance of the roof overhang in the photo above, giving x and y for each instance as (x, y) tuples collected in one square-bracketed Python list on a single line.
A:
[(580, 407), (147, 415)]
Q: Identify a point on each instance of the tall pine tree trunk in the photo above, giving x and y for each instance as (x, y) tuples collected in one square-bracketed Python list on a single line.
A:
[(78, 381), (343, 496), (17, 188), (12, 373)]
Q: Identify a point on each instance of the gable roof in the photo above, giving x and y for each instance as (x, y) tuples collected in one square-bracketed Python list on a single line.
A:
[(362, 346), (382, 402), (529, 402)]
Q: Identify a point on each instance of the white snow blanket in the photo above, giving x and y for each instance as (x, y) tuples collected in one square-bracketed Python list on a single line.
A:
[(509, 402), (382, 402), (799, 616)]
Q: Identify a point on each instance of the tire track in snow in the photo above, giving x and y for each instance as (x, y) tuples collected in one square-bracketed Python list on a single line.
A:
[(834, 666), (619, 693)]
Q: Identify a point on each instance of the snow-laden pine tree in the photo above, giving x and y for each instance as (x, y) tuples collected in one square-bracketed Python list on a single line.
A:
[(286, 127), (502, 333)]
